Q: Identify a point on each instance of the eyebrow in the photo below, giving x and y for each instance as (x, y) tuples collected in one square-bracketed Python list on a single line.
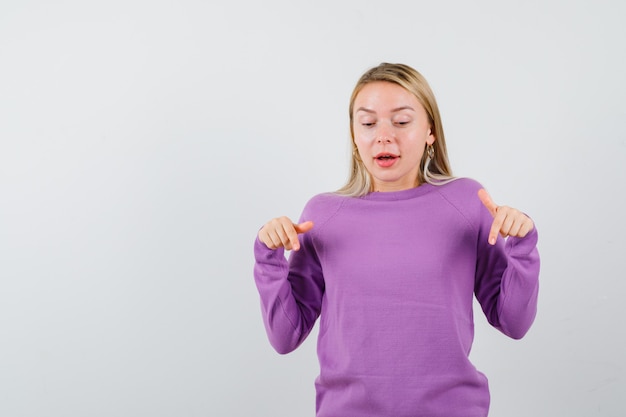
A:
[(397, 109)]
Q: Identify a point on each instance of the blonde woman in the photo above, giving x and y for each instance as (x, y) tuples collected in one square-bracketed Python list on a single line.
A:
[(390, 264)]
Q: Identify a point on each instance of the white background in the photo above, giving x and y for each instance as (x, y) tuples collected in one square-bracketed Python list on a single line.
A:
[(143, 143)]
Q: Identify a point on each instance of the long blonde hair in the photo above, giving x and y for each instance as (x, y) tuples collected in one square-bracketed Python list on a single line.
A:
[(435, 170)]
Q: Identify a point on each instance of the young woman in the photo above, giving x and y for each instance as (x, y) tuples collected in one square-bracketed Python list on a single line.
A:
[(390, 264)]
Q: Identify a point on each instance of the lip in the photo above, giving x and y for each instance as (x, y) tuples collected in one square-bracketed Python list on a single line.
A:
[(386, 154), (386, 159)]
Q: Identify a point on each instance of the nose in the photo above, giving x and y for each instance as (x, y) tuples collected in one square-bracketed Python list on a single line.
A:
[(384, 135)]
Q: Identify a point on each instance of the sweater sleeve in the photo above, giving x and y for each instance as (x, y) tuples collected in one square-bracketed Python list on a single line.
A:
[(507, 280), (291, 292)]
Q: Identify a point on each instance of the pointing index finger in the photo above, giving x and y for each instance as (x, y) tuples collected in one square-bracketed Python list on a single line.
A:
[(303, 227), (487, 201)]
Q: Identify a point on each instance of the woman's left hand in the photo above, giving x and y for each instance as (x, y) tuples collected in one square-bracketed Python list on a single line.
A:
[(507, 221)]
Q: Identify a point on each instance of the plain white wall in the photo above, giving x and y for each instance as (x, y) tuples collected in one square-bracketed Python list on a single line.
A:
[(143, 143)]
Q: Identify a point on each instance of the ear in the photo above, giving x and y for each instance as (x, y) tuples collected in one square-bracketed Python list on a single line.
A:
[(431, 137)]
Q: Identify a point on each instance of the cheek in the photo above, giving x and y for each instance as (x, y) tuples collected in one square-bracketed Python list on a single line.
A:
[(362, 150), (361, 140), (363, 135)]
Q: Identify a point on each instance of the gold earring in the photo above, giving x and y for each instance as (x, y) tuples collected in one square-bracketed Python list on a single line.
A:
[(430, 151)]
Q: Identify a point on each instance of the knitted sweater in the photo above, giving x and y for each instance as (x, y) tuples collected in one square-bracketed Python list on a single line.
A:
[(391, 276)]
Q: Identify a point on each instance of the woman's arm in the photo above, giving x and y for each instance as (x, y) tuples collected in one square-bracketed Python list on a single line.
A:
[(291, 291), (507, 272)]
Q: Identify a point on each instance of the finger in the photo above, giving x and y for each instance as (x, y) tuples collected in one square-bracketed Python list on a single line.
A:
[(516, 227), (264, 236), (496, 226), (278, 236), (274, 233), (267, 239), (274, 241), (298, 229), (493, 233), (303, 227), (281, 232), (526, 227), (289, 236), (487, 201), (507, 223)]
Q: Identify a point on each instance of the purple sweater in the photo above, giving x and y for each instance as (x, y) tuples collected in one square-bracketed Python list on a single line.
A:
[(392, 276)]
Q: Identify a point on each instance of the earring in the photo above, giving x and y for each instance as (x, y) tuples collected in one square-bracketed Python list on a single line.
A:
[(430, 151)]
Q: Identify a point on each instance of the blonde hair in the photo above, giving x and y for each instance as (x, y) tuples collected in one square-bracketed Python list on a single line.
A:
[(435, 170)]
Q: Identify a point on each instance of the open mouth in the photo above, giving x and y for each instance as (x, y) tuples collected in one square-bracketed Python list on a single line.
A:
[(386, 159), (386, 156)]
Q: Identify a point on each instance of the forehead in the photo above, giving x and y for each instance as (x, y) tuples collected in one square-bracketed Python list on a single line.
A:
[(385, 95)]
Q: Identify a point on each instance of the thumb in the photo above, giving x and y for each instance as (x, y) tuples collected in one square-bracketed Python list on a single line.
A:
[(303, 227), (487, 201)]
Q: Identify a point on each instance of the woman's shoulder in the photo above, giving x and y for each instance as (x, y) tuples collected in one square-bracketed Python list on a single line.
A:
[(462, 184), (462, 193), (324, 202), (321, 207)]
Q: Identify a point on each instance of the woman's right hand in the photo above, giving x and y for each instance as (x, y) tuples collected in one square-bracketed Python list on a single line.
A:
[(282, 232)]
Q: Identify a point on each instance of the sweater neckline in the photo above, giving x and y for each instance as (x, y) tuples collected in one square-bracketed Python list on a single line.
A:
[(399, 195)]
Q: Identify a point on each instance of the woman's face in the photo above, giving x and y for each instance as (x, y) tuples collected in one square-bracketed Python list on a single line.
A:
[(391, 130)]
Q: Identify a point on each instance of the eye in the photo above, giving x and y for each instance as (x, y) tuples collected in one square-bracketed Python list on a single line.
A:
[(402, 120), (367, 122)]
